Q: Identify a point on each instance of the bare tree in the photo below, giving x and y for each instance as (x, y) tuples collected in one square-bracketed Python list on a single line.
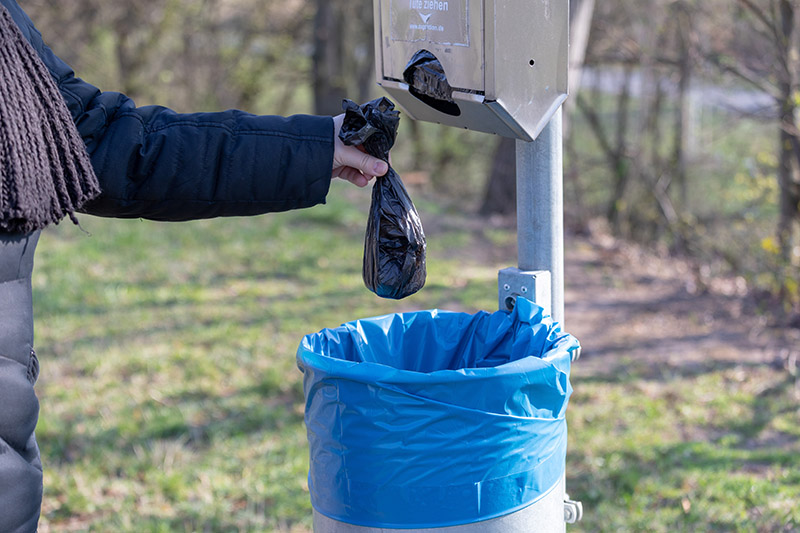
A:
[(768, 58), (684, 36), (328, 72), (616, 151), (343, 60), (638, 44), (580, 27), (187, 54), (501, 186)]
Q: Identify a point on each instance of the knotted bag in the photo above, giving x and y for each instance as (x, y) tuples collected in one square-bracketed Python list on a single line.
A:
[(394, 245)]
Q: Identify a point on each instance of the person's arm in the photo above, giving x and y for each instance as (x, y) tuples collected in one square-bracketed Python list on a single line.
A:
[(157, 164)]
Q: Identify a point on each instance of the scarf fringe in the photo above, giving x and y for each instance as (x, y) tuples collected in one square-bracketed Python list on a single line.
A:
[(45, 171)]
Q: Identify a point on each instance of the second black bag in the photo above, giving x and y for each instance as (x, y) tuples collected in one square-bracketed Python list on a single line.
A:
[(394, 245)]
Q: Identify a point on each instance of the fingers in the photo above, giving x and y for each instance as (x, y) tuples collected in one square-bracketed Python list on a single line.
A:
[(353, 176), (352, 163), (366, 164)]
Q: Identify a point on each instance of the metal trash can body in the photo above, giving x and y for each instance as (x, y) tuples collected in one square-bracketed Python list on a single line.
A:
[(435, 419), (543, 516)]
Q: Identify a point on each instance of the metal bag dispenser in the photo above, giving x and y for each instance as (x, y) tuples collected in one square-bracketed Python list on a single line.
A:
[(496, 66)]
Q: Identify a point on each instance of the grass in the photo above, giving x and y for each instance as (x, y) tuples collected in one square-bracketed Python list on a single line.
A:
[(171, 400), (711, 451), (170, 396)]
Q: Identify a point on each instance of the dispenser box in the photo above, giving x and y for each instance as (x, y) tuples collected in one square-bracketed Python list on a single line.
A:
[(505, 61)]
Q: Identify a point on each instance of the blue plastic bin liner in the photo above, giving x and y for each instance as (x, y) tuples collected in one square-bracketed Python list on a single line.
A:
[(435, 418)]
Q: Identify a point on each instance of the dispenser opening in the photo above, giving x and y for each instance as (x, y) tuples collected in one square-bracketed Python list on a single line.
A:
[(427, 81)]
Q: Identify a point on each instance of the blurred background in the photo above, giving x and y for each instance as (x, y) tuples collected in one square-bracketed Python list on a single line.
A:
[(682, 123), (682, 195)]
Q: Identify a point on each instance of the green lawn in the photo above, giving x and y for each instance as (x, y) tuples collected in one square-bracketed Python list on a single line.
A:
[(716, 450), (171, 400)]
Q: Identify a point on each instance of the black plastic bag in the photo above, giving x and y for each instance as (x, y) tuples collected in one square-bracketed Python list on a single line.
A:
[(428, 82), (394, 246)]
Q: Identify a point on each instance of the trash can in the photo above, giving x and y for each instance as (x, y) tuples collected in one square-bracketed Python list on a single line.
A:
[(437, 419)]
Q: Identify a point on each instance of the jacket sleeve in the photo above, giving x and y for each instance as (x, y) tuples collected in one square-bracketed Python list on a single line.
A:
[(158, 164)]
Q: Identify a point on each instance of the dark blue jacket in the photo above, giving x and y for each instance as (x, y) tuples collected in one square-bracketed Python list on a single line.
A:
[(152, 163), (157, 164)]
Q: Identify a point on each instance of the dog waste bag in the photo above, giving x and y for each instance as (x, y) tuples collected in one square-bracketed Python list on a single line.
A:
[(394, 246)]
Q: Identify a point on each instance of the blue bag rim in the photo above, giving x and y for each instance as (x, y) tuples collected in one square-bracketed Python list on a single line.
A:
[(562, 348)]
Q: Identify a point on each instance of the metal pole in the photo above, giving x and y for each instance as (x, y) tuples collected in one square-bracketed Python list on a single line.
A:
[(540, 209)]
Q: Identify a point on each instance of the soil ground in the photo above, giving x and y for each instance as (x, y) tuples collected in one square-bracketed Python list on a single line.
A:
[(627, 304)]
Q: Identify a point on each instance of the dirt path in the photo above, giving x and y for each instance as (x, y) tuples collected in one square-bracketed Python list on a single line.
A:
[(629, 306), (626, 304)]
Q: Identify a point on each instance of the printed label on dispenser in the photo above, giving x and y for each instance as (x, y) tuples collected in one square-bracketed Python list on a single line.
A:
[(437, 21)]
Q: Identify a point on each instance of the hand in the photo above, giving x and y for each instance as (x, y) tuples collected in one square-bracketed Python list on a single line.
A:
[(351, 163)]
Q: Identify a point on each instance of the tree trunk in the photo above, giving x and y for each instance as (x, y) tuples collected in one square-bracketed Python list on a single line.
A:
[(363, 48), (620, 165), (344, 54), (789, 156), (682, 116), (501, 189), (581, 14), (328, 72)]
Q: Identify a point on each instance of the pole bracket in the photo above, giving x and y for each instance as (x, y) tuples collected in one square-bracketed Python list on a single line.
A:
[(533, 285)]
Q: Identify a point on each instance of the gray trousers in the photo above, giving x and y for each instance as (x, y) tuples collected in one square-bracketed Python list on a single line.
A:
[(20, 465)]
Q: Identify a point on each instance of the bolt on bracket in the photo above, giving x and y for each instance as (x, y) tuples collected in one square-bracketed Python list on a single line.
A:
[(573, 511)]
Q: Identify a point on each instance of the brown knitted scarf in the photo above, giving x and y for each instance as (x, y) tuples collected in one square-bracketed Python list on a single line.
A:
[(45, 172)]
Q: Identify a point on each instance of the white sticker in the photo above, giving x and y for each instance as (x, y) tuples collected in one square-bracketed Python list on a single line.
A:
[(437, 21)]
